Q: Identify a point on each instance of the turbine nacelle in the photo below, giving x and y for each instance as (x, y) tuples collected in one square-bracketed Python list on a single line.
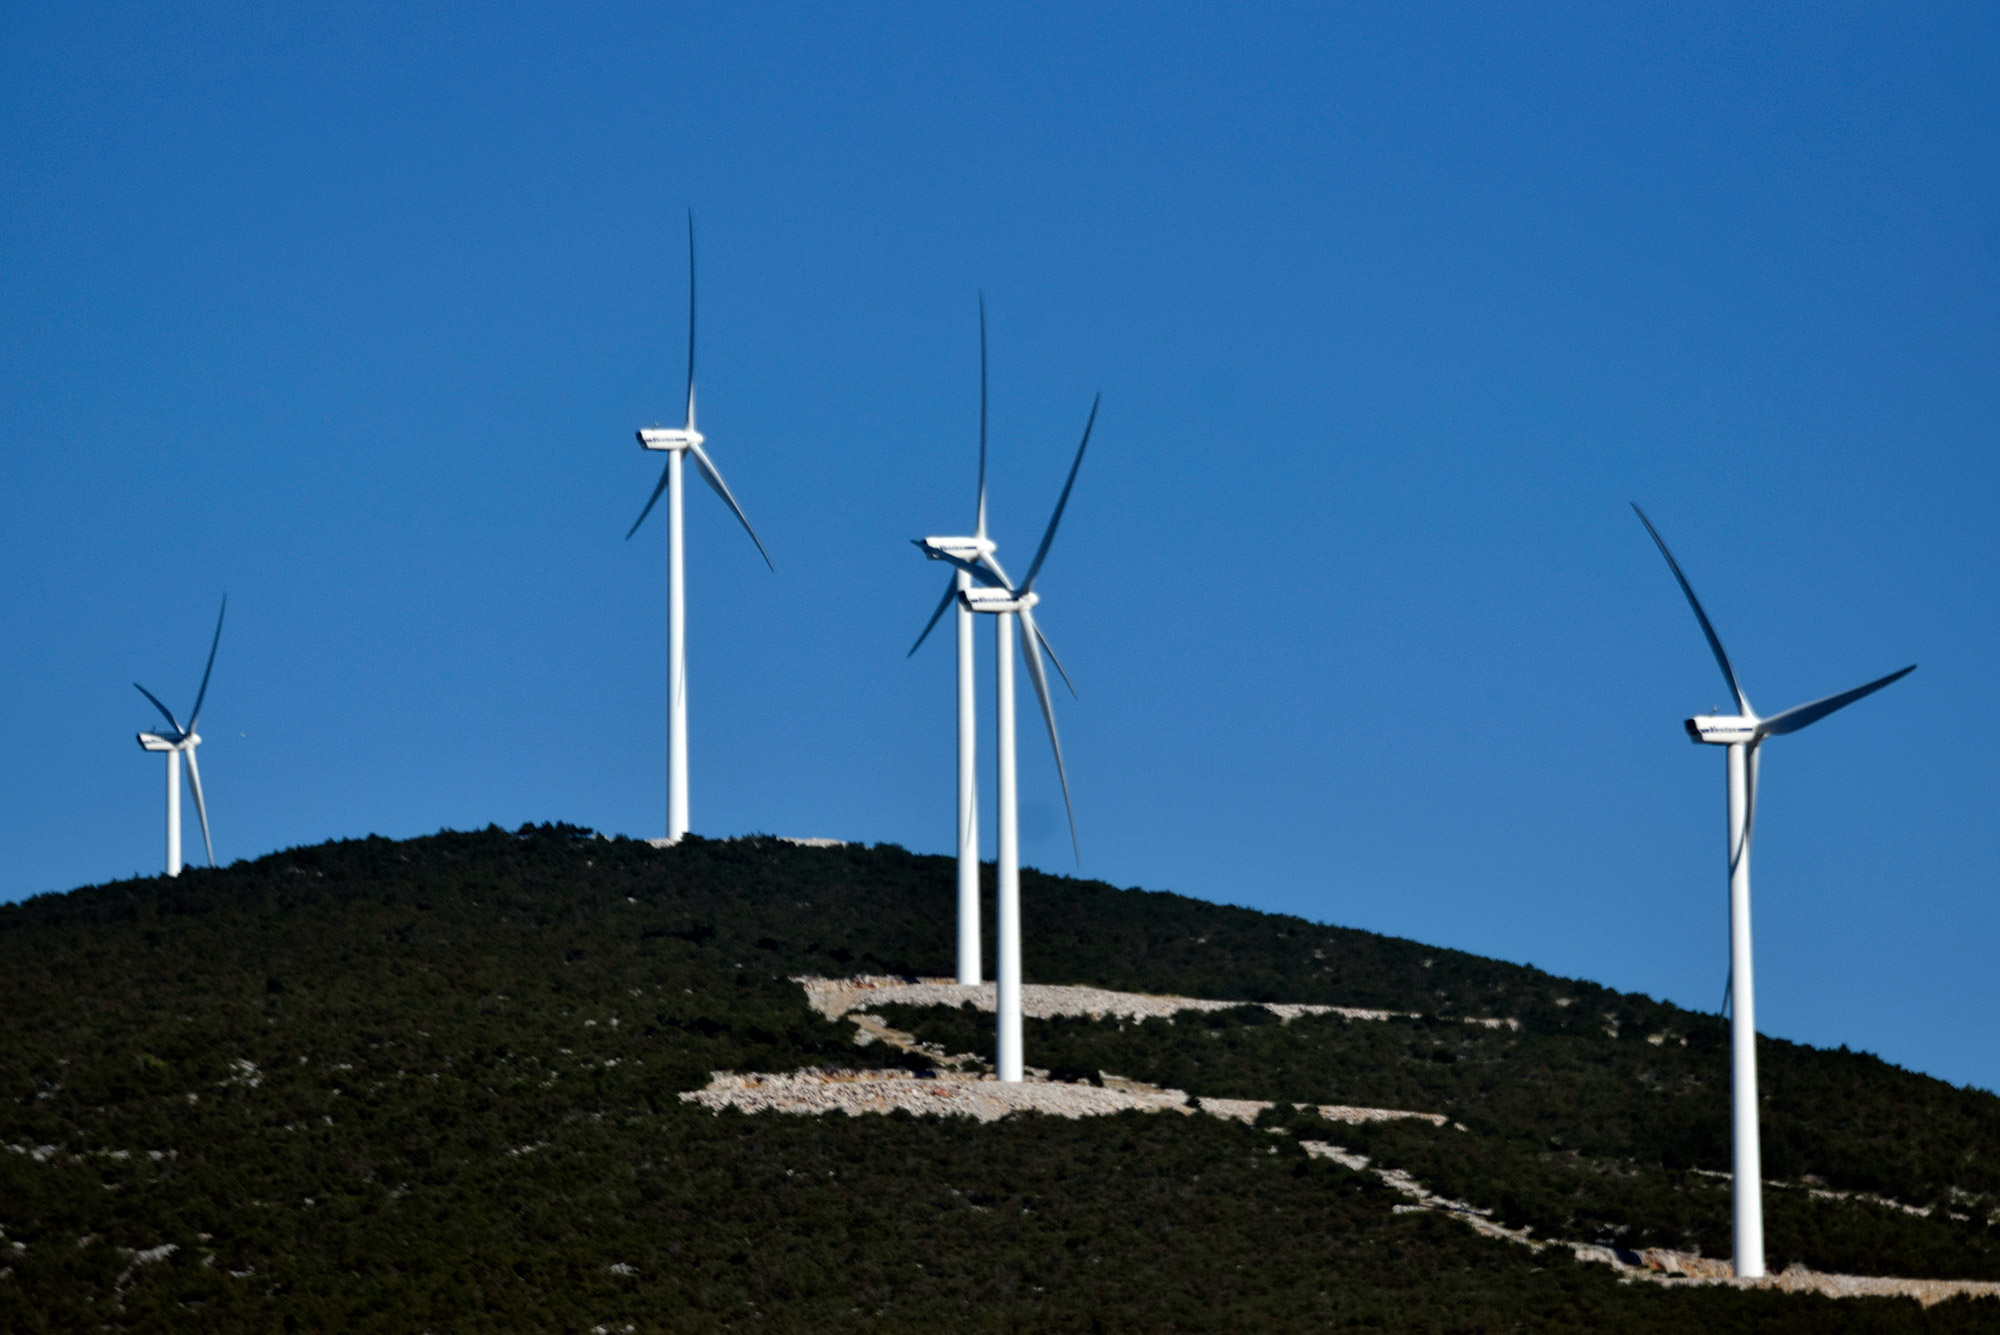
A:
[(153, 741), (673, 438), (1721, 729), (965, 549), (996, 601)]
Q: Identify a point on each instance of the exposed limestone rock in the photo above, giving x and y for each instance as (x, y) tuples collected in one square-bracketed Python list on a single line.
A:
[(835, 997)]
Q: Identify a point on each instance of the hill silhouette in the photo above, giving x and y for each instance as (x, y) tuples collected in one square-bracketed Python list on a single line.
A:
[(436, 1084)]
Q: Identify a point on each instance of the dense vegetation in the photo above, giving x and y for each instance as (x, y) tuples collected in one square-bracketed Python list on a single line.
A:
[(1592, 1136), (434, 1085)]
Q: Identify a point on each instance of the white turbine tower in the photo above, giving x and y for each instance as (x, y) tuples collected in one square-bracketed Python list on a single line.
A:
[(993, 593), (676, 441), (970, 551), (1744, 733), (177, 741)]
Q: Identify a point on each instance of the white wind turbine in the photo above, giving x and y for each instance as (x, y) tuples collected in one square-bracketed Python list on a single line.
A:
[(177, 741), (676, 441), (969, 551), (993, 593), (1744, 733)]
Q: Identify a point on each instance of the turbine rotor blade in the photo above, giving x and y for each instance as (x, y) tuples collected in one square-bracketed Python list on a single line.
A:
[(950, 596), (1050, 650), (1030, 650), (202, 694), (200, 809), (1742, 849), (980, 529), (1041, 553), (1801, 716), (1750, 808), (162, 708), (652, 500), (1714, 641), (707, 468), (690, 407)]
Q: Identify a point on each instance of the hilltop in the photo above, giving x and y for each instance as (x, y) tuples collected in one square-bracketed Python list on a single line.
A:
[(438, 1084)]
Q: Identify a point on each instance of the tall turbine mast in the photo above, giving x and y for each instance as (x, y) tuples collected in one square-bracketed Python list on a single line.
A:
[(675, 442), (970, 550), (994, 594), (177, 741), (1743, 733)]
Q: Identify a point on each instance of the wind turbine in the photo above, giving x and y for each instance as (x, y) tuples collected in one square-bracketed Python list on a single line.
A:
[(991, 592), (969, 551), (675, 442), (1743, 733), (177, 741)]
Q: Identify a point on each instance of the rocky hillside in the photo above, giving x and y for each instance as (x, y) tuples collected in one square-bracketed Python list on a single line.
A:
[(437, 1084)]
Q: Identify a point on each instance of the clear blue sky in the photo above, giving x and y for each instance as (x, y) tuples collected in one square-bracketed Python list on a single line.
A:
[(352, 313)]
